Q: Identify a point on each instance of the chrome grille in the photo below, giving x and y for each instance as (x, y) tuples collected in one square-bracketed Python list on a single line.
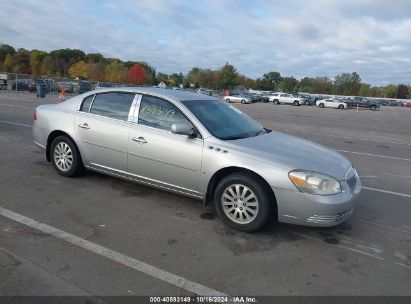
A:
[(323, 219)]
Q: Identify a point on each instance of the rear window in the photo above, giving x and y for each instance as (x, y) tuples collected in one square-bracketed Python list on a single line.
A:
[(114, 105), (85, 106)]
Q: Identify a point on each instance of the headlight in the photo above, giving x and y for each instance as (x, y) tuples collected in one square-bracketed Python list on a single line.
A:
[(314, 183)]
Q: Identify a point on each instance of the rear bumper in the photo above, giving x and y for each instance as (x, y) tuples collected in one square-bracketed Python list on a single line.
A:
[(299, 208)]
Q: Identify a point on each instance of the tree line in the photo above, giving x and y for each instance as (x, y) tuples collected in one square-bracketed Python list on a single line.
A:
[(73, 63)]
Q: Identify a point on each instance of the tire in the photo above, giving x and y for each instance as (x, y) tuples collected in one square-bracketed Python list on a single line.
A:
[(258, 208), (296, 103), (62, 151), (242, 101), (276, 101), (307, 103), (228, 100), (341, 107), (321, 105), (373, 107)]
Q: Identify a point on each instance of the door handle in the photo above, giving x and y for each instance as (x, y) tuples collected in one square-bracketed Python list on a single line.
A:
[(140, 140), (84, 126)]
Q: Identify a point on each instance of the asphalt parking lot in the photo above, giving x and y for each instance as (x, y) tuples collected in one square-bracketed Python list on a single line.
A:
[(134, 240)]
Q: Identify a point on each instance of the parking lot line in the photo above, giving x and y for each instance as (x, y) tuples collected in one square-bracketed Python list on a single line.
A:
[(375, 155), (386, 191), (118, 257), (15, 123), (363, 139)]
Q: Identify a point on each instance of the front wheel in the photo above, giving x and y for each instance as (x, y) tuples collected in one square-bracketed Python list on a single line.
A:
[(321, 105), (373, 107), (242, 101), (296, 103), (307, 103), (276, 102), (341, 107), (65, 157), (228, 100), (243, 203)]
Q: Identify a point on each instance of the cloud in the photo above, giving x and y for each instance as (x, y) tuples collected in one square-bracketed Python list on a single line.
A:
[(298, 38)]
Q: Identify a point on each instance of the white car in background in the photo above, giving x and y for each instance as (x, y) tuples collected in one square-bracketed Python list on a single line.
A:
[(278, 98), (331, 103), (237, 98)]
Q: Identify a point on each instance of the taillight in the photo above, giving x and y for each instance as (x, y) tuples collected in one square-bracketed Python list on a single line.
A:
[(35, 115)]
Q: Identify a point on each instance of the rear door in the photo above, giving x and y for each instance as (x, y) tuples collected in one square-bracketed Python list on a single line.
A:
[(102, 127)]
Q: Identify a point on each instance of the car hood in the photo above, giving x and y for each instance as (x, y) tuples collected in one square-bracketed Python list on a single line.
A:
[(291, 152)]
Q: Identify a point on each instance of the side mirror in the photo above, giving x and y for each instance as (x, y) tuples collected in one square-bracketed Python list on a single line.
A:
[(183, 129)]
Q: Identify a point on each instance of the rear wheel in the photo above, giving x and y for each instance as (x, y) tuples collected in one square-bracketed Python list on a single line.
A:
[(242, 101), (242, 202), (341, 107), (65, 157), (373, 107), (296, 103), (307, 103), (276, 101), (228, 100), (321, 105)]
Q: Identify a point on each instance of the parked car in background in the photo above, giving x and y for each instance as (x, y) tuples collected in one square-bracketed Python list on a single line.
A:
[(101, 85), (363, 102), (51, 85), (214, 153), (237, 98), (3, 84), (21, 84), (68, 86), (253, 97), (204, 91), (279, 98), (331, 103), (83, 86), (308, 100)]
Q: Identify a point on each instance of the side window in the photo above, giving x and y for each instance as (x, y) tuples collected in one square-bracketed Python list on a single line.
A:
[(113, 104), (160, 114), (85, 106)]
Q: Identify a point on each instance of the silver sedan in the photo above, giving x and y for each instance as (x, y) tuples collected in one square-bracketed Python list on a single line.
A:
[(199, 146)]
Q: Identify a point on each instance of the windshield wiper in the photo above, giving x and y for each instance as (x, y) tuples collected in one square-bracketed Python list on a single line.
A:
[(232, 137)]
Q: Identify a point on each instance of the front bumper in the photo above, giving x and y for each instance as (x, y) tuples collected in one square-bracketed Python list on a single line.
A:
[(299, 208)]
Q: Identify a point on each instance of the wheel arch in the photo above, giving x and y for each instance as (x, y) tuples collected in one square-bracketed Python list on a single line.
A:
[(50, 139), (220, 174)]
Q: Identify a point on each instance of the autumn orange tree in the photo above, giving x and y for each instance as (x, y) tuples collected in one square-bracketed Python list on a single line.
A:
[(136, 74)]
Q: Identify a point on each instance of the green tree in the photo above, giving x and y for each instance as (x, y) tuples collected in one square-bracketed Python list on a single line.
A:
[(402, 91), (288, 84), (390, 91), (47, 66), (8, 63), (347, 84), (116, 72), (21, 62), (4, 50), (228, 76), (365, 90), (36, 58), (269, 82)]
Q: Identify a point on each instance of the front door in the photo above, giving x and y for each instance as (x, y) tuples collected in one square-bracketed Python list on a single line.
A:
[(158, 156)]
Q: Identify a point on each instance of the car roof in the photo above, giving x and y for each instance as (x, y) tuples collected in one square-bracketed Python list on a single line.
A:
[(177, 95)]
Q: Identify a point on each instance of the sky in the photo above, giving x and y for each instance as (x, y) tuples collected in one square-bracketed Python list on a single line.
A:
[(296, 38)]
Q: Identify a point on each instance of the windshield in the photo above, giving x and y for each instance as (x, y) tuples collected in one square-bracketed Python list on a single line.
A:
[(223, 120)]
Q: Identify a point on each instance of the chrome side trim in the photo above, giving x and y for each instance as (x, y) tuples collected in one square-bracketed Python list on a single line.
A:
[(145, 181)]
